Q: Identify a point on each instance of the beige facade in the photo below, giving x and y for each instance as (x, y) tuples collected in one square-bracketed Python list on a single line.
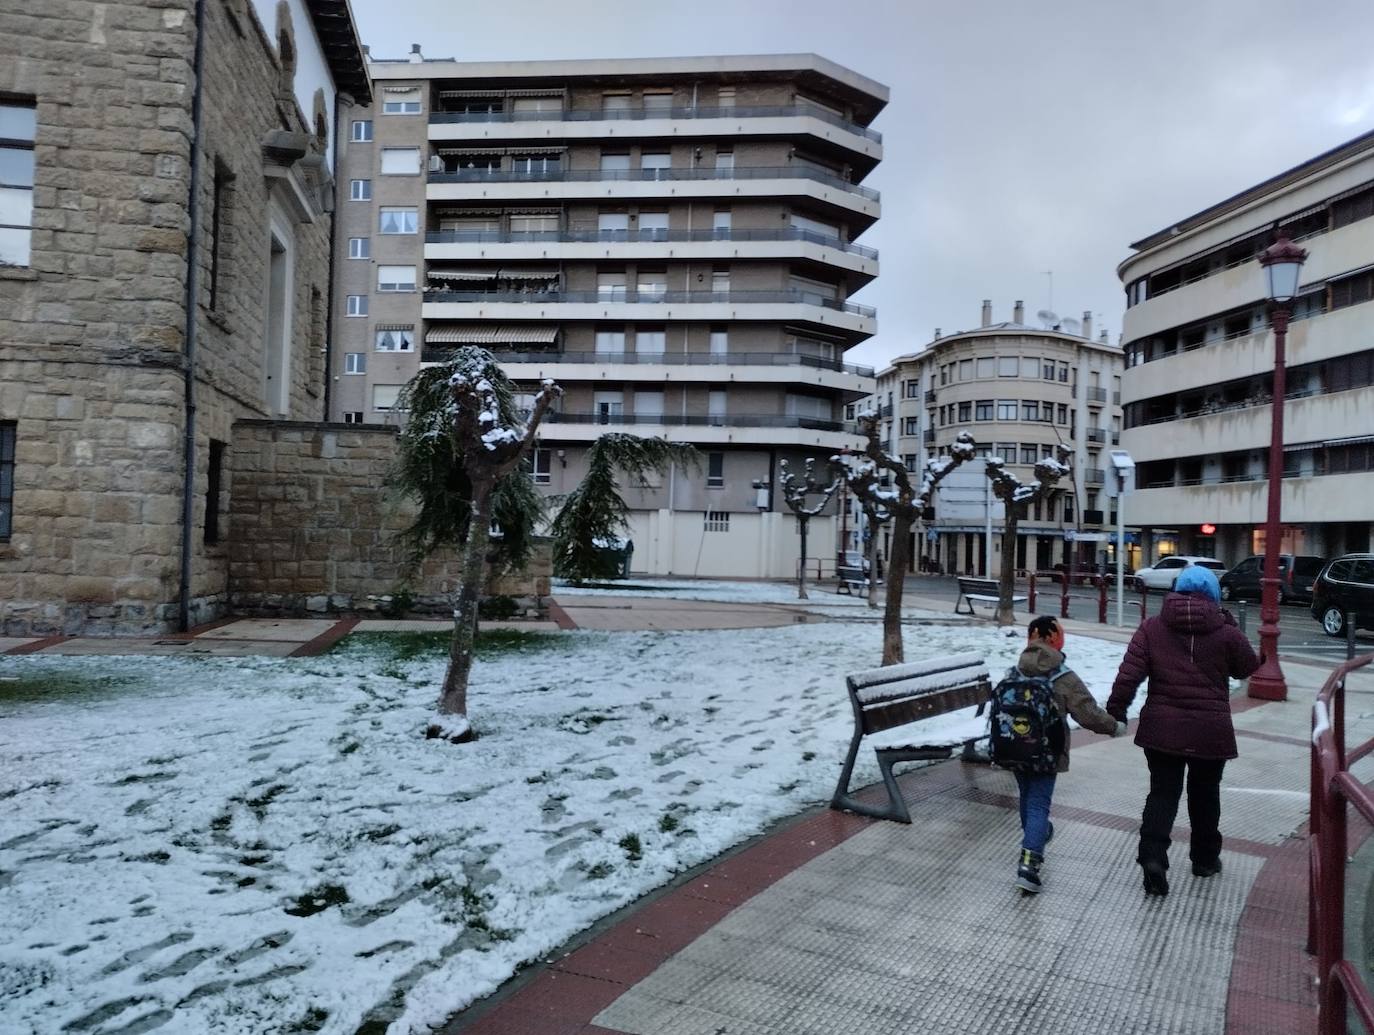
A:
[(1023, 392), (672, 241), (106, 388), (1200, 361)]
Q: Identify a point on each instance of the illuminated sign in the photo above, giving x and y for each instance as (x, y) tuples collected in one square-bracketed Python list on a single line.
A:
[(1208, 529)]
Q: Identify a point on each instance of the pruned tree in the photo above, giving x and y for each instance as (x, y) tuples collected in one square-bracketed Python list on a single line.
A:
[(904, 501), (1016, 497), (460, 455), (876, 516), (594, 514), (795, 492)]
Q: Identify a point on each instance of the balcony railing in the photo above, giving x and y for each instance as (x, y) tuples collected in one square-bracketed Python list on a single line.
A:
[(440, 354), (928, 437), (778, 172), (1094, 476), (733, 420), (1097, 435), (1097, 395), (623, 236), (1262, 399), (772, 111), (930, 396), (651, 297)]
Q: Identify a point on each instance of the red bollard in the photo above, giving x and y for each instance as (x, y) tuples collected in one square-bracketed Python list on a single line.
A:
[(1031, 601), (1102, 600)]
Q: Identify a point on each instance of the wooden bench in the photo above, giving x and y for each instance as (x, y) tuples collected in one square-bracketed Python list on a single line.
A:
[(903, 695), (984, 591), (849, 578)]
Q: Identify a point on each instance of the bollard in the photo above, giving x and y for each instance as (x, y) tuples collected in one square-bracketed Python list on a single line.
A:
[(1240, 619), (1349, 635), (1030, 601), (1064, 596), (1102, 600)]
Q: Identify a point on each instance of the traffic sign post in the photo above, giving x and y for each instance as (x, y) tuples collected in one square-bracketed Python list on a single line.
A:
[(1124, 468)]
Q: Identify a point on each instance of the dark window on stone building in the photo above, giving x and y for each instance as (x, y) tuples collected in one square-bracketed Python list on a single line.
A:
[(219, 228), (715, 470), (18, 127), (213, 483), (8, 430)]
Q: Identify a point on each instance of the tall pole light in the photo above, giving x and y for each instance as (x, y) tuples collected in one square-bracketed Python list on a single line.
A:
[(1282, 262)]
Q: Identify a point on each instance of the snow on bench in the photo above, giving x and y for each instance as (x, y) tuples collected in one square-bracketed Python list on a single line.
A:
[(892, 700), (985, 591)]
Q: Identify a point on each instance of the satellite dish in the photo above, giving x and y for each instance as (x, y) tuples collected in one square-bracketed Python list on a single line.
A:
[(1070, 326), (1049, 319)]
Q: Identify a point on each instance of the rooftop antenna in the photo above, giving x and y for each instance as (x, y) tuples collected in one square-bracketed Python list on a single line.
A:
[(1049, 319)]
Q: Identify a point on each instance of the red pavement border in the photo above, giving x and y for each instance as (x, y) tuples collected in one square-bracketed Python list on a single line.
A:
[(326, 639), (561, 618), (37, 645)]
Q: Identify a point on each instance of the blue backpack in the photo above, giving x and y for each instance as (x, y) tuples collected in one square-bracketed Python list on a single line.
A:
[(1027, 730)]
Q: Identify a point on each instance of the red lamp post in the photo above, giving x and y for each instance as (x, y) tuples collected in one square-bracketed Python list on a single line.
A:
[(1282, 262)]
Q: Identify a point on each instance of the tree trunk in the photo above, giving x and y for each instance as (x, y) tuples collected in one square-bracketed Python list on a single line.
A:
[(802, 522), (453, 700), (896, 567), (873, 564), (1007, 587)]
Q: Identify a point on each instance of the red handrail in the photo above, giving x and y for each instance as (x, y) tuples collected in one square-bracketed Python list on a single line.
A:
[(1333, 788)]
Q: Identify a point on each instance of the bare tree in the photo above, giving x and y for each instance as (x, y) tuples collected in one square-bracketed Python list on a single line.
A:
[(1016, 498), (905, 502), (875, 516), (794, 493), (490, 443)]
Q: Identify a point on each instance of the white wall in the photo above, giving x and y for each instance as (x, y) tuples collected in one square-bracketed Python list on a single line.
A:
[(312, 71), (756, 546)]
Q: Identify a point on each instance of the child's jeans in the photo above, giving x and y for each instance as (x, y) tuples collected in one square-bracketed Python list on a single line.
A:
[(1036, 794)]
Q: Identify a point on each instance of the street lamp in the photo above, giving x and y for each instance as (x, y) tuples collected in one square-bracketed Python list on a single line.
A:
[(1282, 262)]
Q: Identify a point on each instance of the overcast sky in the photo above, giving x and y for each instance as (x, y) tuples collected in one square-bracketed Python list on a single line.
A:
[(1021, 136)]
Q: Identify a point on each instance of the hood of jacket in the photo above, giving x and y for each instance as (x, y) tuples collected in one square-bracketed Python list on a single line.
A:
[(1039, 659), (1191, 613)]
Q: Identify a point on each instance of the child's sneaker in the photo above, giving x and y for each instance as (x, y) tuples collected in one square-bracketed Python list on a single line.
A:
[(1028, 872)]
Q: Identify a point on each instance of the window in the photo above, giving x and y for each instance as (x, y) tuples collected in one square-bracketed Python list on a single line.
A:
[(384, 397), (353, 416), (1047, 370), (398, 220), (610, 343), (726, 97), (360, 247), (651, 285), (395, 278), (913, 389), (532, 164), (1030, 411), (725, 163), (984, 409), (911, 426), (966, 412), (395, 339), (654, 163), (1028, 454), (615, 102), (220, 195), (965, 370), (214, 479), (717, 521), (613, 225), (1064, 373), (1030, 367), (720, 341), (1068, 510), (18, 127), (534, 223), (659, 100), (987, 367), (910, 460), (8, 432), (1352, 290), (721, 222), (355, 362), (715, 406), (720, 283), (609, 407), (539, 107), (362, 131), (541, 466), (359, 190), (1008, 366), (400, 161), (357, 305), (610, 285), (1006, 409), (715, 470), (401, 101), (615, 162), (651, 341), (653, 226), (1063, 413)]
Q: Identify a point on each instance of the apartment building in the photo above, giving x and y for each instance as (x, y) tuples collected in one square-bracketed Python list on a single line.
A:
[(140, 323), (672, 240), (1023, 392), (1199, 368)]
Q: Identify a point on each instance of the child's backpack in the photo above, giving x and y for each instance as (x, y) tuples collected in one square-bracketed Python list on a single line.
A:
[(1027, 729)]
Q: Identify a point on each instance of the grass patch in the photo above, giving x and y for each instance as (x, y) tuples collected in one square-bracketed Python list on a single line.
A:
[(397, 647), (47, 686)]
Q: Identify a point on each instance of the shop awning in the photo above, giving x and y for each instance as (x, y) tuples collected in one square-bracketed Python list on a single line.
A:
[(489, 334)]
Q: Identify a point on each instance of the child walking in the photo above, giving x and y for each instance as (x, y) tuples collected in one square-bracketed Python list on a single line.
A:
[(1030, 734)]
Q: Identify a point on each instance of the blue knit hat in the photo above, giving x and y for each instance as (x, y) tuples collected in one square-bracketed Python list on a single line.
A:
[(1197, 579)]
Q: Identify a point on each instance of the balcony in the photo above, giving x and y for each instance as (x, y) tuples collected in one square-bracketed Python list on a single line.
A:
[(1097, 396), (1098, 435), (644, 236), (734, 420), (1094, 476), (930, 396), (928, 436), (1092, 517), (441, 354), (798, 171), (646, 114)]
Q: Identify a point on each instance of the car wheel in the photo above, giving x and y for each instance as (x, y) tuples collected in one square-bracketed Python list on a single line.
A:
[(1333, 621), (1227, 593)]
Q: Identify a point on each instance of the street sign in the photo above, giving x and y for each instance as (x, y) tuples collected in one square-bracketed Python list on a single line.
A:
[(1086, 537)]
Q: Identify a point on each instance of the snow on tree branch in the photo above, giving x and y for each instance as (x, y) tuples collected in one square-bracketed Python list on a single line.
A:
[(795, 490), (1011, 490), (864, 472), (477, 415)]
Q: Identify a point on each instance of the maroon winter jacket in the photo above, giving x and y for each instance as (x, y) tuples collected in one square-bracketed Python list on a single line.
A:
[(1187, 651)]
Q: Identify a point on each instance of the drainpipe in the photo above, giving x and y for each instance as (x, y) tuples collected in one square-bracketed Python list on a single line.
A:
[(339, 99), (188, 485)]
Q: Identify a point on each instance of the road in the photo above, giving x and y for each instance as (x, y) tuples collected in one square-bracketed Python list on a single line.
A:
[(1299, 634)]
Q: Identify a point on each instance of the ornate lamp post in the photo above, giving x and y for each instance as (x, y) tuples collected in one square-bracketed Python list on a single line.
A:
[(1282, 262)]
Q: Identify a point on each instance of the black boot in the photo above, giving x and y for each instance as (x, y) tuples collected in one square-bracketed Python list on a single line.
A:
[(1156, 879), (1210, 869), (1028, 872)]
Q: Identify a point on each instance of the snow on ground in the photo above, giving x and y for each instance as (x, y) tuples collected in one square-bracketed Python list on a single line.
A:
[(249, 846), (821, 595)]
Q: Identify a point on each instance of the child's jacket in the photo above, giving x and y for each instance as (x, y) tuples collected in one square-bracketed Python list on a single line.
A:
[(1071, 696)]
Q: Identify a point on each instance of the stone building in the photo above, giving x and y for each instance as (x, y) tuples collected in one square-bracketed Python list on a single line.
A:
[(1200, 368), (1024, 392), (141, 318), (672, 240)]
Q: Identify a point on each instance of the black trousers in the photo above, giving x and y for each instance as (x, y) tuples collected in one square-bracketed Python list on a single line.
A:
[(1167, 777)]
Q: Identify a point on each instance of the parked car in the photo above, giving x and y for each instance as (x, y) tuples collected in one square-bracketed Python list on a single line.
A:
[(1345, 586), (1165, 571), (1296, 576)]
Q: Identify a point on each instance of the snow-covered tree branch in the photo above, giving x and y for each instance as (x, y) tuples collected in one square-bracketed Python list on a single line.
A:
[(795, 492), (1016, 497)]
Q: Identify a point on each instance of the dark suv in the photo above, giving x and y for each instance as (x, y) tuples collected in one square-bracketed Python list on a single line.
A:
[(1296, 576), (1345, 586)]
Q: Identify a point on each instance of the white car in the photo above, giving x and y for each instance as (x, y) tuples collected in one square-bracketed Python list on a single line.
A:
[(1165, 571)]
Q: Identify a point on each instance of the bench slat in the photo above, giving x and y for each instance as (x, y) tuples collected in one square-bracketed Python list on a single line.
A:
[(912, 709), (894, 673)]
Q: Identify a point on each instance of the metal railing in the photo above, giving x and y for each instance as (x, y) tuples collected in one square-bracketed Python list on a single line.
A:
[(1333, 790), (641, 114), (1228, 407), (733, 420), (1097, 395), (438, 354), (770, 172), (643, 236), (1097, 434), (930, 396), (651, 297), (1094, 476), (929, 436)]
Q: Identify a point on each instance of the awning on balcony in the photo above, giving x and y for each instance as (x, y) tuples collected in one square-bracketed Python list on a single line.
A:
[(491, 334), (460, 151), (472, 93), (467, 274), (528, 274)]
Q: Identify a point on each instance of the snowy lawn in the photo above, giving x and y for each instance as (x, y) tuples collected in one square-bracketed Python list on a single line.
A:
[(268, 845), (822, 595)]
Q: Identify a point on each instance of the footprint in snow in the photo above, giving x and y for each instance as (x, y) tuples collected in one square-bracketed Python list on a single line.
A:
[(183, 964), (625, 794), (134, 956), (762, 746), (669, 777), (621, 741), (266, 943)]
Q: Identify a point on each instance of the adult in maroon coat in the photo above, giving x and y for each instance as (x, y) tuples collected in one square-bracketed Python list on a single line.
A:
[(1188, 652)]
